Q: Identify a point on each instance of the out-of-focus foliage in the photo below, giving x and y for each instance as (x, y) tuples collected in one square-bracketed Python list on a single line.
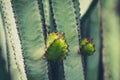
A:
[(111, 42)]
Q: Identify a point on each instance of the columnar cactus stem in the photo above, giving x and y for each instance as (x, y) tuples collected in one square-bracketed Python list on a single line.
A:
[(65, 18), (31, 32), (3, 52), (16, 63), (111, 31)]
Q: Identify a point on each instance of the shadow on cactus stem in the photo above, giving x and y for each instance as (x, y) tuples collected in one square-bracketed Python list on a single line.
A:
[(118, 8), (3, 68)]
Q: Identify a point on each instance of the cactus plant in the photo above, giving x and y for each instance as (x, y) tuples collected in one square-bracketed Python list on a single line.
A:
[(26, 25), (33, 46)]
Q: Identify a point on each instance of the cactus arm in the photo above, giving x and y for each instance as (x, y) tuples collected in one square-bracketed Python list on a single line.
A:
[(92, 65), (66, 22), (31, 33), (76, 4), (55, 67), (111, 31), (16, 63), (48, 16), (3, 52)]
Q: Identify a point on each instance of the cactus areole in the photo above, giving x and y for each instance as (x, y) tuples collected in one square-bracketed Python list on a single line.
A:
[(57, 48)]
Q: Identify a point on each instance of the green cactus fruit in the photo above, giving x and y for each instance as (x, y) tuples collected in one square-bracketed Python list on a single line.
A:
[(87, 47), (51, 37), (57, 48)]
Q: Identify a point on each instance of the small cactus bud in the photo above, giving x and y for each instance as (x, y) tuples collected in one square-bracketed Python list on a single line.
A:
[(57, 48), (87, 47)]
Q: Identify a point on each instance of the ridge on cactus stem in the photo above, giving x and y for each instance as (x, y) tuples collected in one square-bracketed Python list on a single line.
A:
[(87, 47), (57, 48)]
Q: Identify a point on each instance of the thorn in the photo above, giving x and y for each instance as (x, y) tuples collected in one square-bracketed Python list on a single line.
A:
[(62, 33), (44, 58), (90, 40)]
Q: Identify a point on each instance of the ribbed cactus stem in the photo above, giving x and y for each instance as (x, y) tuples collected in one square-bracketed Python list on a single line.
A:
[(30, 27), (16, 62), (65, 18)]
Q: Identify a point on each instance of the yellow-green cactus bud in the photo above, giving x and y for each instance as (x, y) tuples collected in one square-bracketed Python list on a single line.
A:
[(87, 47), (57, 47)]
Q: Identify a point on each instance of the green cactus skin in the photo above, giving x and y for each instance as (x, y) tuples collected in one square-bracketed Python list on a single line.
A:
[(30, 27), (25, 24), (51, 37), (87, 47), (49, 23), (92, 62), (77, 12), (57, 47), (16, 62), (3, 52), (111, 35), (65, 20)]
